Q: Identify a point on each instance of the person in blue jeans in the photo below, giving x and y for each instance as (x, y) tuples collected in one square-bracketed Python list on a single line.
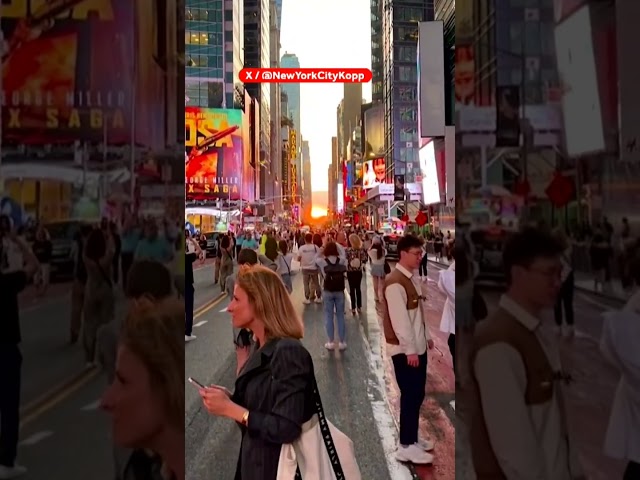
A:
[(334, 269)]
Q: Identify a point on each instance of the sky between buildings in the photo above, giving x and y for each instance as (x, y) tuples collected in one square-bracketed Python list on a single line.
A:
[(332, 34)]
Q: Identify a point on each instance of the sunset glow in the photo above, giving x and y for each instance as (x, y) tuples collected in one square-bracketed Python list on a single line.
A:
[(317, 212)]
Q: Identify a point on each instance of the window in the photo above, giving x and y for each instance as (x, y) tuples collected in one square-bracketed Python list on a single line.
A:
[(201, 61), (407, 94), (515, 35), (407, 54), (409, 14), (408, 134), (408, 34), (532, 37), (408, 114), (408, 74), (196, 38)]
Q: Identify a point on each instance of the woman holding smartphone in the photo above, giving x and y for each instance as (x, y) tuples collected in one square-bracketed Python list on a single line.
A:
[(273, 394)]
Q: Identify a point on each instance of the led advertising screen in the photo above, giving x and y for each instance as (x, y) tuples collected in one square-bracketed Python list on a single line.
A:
[(373, 173), (54, 92), (215, 149), (581, 100), (340, 197), (430, 183)]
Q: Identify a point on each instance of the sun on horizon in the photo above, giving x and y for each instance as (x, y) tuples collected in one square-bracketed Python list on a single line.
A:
[(317, 212)]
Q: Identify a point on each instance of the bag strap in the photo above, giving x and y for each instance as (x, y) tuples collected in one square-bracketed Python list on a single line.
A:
[(326, 434)]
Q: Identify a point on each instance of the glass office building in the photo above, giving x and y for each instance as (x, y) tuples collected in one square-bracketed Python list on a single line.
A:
[(400, 82)]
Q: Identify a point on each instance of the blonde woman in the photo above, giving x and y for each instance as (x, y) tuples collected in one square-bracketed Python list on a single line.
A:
[(356, 259), (146, 398), (273, 395)]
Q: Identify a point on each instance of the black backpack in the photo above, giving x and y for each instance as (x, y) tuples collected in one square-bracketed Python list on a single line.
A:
[(334, 276)]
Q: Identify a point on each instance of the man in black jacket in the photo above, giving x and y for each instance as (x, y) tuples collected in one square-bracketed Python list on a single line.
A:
[(17, 265)]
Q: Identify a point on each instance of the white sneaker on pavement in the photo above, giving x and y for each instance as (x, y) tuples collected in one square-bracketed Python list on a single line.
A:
[(11, 472), (330, 346), (342, 345), (188, 338), (306, 301), (413, 454), (318, 300), (425, 445)]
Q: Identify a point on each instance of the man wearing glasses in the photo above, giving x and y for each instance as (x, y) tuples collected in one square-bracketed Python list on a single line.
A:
[(408, 338), (518, 418)]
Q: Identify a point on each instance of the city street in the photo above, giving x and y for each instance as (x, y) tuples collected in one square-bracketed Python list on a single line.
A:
[(63, 433), (352, 384)]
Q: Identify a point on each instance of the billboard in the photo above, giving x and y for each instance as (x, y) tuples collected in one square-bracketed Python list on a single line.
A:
[(374, 132), (430, 183), (584, 130), (215, 165), (68, 71), (373, 173), (464, 74), (431, 97)]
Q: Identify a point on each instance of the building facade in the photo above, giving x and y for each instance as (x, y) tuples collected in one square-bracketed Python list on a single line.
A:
[(205, 66), (307, 189), (257, 54), (399, 83), (290, 60), (275, 103)]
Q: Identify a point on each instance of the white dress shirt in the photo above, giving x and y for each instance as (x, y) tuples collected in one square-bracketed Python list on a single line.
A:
[(528, 440), (408, 325)]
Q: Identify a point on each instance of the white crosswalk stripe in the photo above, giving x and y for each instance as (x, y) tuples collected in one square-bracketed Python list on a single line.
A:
[(200, 323)]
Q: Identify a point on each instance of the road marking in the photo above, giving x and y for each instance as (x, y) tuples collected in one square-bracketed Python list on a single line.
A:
[(92, 406), (385, 423), (35, 438), (199, 324), (224, 310), (55, 395), (59, 393), (204, 309)]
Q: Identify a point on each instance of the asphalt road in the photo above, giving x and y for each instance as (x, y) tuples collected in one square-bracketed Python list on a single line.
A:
[(348, 384), (63, 433)]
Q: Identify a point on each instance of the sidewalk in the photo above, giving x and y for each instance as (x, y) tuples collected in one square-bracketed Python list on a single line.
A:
[(437, 415)]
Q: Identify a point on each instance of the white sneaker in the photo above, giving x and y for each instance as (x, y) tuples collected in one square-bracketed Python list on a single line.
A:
[(11, 472), (342, 346), (425, 445), (413, 454), (306, 301), (318, 300), (330, 346), (188, 338)]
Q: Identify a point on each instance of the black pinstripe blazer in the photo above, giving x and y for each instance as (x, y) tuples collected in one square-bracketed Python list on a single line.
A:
[(276, 386)]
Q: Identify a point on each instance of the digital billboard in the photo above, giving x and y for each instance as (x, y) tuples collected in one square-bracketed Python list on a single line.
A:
[(215, 165), (68, 71), (374, 132), (429, 170)]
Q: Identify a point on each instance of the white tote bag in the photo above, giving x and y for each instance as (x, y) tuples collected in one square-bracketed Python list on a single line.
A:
[(322, 452)]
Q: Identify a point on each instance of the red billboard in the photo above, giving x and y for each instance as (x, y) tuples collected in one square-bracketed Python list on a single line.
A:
[(68, 70), (216, 147)]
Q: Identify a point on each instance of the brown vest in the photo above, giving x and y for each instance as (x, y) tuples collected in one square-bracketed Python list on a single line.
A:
[(413, 302), (502, 327)]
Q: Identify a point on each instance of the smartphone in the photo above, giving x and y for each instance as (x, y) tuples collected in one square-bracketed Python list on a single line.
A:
[(196, 383)]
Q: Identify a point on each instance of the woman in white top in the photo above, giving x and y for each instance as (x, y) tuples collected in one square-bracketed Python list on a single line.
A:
[(283, 261), (377, 256), (619, 344)]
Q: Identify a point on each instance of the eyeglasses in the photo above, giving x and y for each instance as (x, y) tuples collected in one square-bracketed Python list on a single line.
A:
[(417, 253)]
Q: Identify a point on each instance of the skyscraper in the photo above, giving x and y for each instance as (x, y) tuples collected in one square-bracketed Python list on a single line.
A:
[(290, 60), (205, 68), (257, 55), (400, 81), (307, 190)]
